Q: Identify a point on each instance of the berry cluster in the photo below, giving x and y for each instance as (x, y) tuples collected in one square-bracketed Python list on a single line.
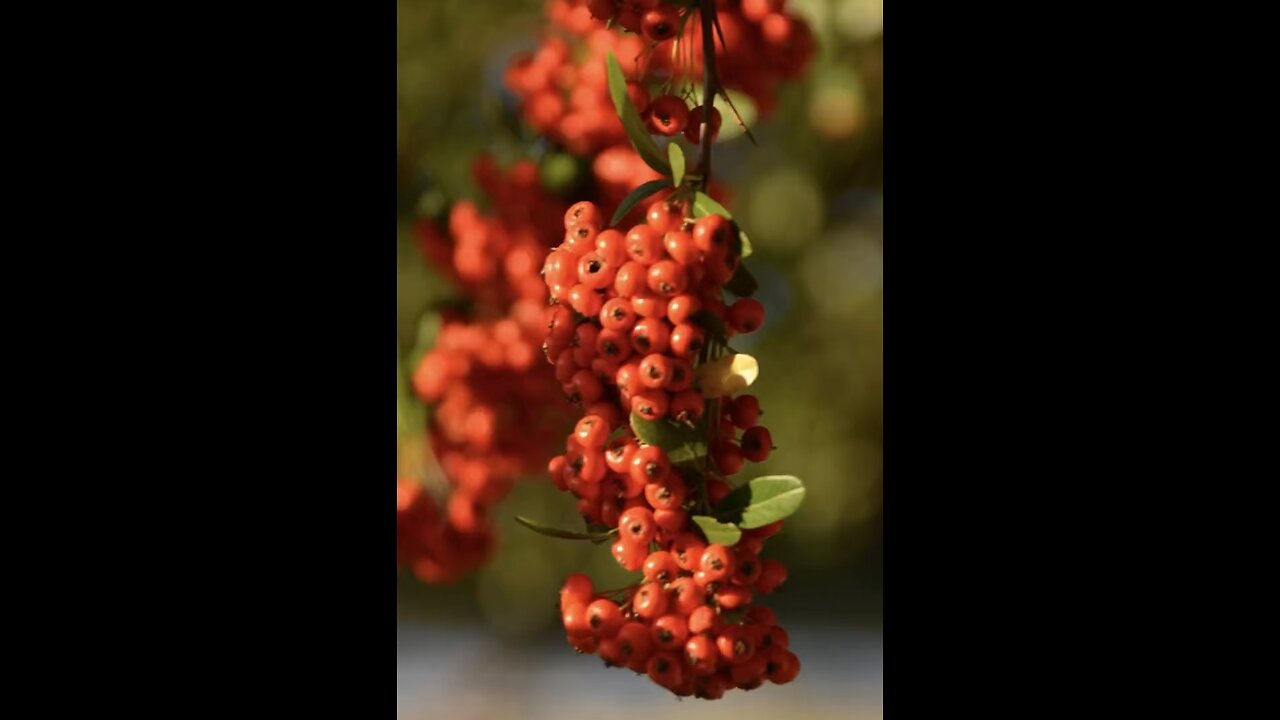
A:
[(496, 409), (633, 319)]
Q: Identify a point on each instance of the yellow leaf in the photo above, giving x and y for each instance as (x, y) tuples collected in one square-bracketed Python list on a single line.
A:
[(726, 376)]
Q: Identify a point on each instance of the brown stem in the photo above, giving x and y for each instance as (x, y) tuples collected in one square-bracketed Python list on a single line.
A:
[(711, 84)]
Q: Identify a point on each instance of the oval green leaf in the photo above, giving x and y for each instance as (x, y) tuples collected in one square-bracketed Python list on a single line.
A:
[(762, 501), (636, 196), (631, 122), (703, 205), (717, 532)]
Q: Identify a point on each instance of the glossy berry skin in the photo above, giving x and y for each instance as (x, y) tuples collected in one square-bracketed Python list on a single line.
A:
[(746, 315), (650, 404), (619, 453), (668, 278), (591, 432), (781, 665), (660, 24), (772, 574), (681, 308), (712, 235), (666, 669), (671, 521), (652, 335), (717, 562), (664, 217), (584, 212), (701, 654), (661, 567), (650, 464), (668, 115), (577, 588), (644, 245), (757, 443), (687, 550), (636, 526), (668, 494), (704, 619), (733, 645), (650, 601), (629, 555), (687, 406), (574, 617), (687, 596), (686, 340), (728, 458), (617, 314), (635, 642), (604, 617), (655, 371), (693, 131), (670, 632)]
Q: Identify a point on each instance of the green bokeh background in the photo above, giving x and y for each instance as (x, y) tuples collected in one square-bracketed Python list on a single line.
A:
[(809, 196)]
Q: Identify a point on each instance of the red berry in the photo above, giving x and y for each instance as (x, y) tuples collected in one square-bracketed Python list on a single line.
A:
[(582, 212), (668, 278), (629, 555), (630, 279), (745, 411), (670, 632), (732, 597), (619, 453), (746, 315), (591, 432), (748, 673), (574, 617), (650, 601), (654, 335), (644, 245), (664, 217), (611, 245), (679, 245), (681, 308), (747, 570), (687, 550), (613, 346), (636, 526), (580, 238), (685, 340), (757, 443), (700, 652), (604, 617), (772, 574), (661, 567), (666, 669), (616, 314), (687, 596), (734, 645), (635, 642), (717, 562), (693, 131), (728, 458), (650, 464), (670, 520), (666, 494), (660, 24), (655, 371), (648, 305), (687, 406), (781, 665), (711, 235), (704, 619), (668, 115), (577, 588)]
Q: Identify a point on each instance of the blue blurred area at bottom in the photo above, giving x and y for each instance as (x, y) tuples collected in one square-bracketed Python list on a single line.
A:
[(464, 673)]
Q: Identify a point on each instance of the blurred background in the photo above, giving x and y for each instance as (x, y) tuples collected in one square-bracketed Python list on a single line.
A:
[(809, 196)]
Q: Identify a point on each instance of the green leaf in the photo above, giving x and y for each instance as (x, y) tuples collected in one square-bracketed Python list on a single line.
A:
[(703, 205), (676, 156), (666, 433), (742, 244), (717, 532), (604, 532), (743, 283), (762, 501), (636, 196), (564, 534), (631, 122)]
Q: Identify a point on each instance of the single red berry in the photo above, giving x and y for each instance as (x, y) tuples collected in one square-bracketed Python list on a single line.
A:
[(670, 632), (733, 644), (604, 617), (650, 464), (583, 641), (627, 377), (687, 596), (664, 217), (772, 574), (704, 619), (660, 24), (584, 212), (661, 567), (629, 555), (746, 315), (649, 305), (654, 335), (681, 308), (574, 617), (762, 615), (728, 458), (749, 673), (613, 346), (585, 300), (585, 387), (765, 531), (679, 245), (687, 549), (781, 665), (670, 520), (680, 377), (577, 588), (711, 235), (644, 245), (745, 411), (666, 494), (684, 340), (687, 406), (668, 278), (666, 669), (650, 601), (655, 370), (778, 637), (580, 238), (617, 314), (747, 570), (591, 432), (757, 443), (635, 642), (668, 115), (630, 279), (595, 272), (693, 131), (732, 597), (636, 526), (619, 452), (718, 562), (612, 246), (700, 652)]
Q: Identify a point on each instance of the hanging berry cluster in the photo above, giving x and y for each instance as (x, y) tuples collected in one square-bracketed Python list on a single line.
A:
[(636, 333), (496, 410)]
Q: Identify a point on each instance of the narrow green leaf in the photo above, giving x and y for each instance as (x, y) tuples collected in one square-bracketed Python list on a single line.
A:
[(676, 156), (762, 501), (743, 283), (604, 533), (703, 205), (636, 196), (717, 532), (564, 534), (741, 243), (631, 122)]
